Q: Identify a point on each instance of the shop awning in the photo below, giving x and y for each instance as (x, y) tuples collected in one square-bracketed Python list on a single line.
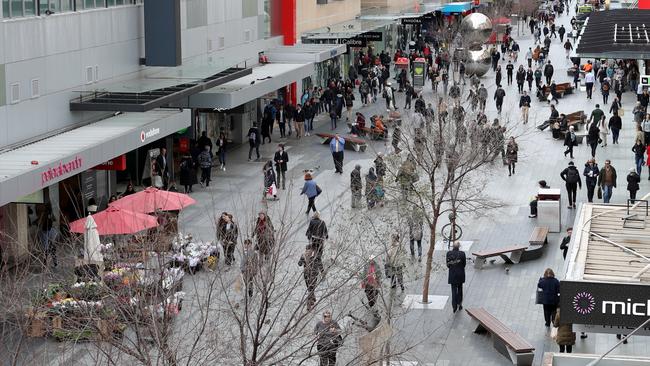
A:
[(458, 7), (304, 53), (620, 33), (29, 168), (345, 30), (264, 79)]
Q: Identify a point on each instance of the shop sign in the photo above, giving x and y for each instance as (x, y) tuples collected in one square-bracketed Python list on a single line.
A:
[(146, 135), (63, 169), (353, 42), (604, 304), (118, 163), (645, 80), (412, 21), (371, 36)]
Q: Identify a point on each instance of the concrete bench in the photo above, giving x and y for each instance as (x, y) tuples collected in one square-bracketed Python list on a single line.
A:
[(539, 236), (505, 340), (351, 142), (514, 256)]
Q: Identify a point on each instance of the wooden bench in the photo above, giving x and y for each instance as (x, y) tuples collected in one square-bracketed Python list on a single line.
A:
[(351, 142), (539, 236), (561, 89), (505, 340), (514, 257), (372, 133)]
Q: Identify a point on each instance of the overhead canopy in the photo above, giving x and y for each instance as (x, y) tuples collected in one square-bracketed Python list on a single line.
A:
[(457, 7), (263, 80), (148, 99), (302, 52), (29, 168), (620, 33), (346, 29)]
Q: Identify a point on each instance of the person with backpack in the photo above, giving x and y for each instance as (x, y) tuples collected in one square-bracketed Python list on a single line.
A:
[(253, 141), (633, 181), (205, 163), (571, 176), (604, 89)]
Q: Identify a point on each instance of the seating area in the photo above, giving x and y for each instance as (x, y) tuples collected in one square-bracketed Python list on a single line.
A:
[(562, 89), (351, 142), (511, 255), (506, 341), (374, 134)]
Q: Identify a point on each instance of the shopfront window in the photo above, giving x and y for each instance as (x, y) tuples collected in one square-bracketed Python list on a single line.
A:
[(26, 8)]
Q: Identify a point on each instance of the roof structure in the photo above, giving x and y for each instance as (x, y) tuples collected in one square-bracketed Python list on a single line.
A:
[(620, 33), (611, 243)]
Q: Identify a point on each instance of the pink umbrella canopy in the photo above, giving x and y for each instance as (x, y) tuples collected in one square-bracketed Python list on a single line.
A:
[(153, 199), (115, 220)]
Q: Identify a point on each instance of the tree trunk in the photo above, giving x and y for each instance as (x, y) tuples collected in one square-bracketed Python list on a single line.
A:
[(427, 273)]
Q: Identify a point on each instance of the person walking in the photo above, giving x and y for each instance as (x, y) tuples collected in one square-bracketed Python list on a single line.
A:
[(227, 233), (395, 263), (270, 181), (221, 150), (589, 83), (565, 337), (281, 119), (607, 180), (561, 32), (498, 76), (530, 76), (249, 265), (593, 137), (570, 141), (499, 94), (521, 78), (529, 56), (591, 173), (568, 47), (253, 142), (356, 185), (371, 281), (571, 176), (604, 90), (265, 235), (317, 233), (312, 267), (548, 72), (281, 159), (615, 125), (205, 163), (511, 155), (456, 262), (311, 190), (633, 181), (337, 144), (380, 167), (482, 97), (47, 233), (550, 295), (510, 68), (564, 245), (299, 121), (389, 96), (328, 339), (188, 173), (416, 224), (639, 153), (371, 188), (524, 105)]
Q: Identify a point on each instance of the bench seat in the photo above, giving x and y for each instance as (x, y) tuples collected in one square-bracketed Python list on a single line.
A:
[(515, 255), (505, 340), (539, 236), (351, 142)]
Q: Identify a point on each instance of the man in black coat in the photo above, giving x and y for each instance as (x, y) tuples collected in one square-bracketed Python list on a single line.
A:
[(456, 263), (281, 159), (571, 176), (548, 72), (356, 186), (499, 94), (564, 246), (253, 141), (204, 140), (317, 233)]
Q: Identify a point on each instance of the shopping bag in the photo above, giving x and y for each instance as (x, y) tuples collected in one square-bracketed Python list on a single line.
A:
[(157, 181), (554, 332), (539, 298), (621, 112), (273, 190), (600, 193)]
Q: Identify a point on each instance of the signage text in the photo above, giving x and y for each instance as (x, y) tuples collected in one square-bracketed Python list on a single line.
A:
[(62, 169)]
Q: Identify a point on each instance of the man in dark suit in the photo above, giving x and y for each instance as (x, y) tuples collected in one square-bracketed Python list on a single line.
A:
[(456, 263), (161, 162)]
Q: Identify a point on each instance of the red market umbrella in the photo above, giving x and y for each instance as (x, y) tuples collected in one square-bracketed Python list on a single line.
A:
[(115, 220), (501, 20), (153, 199)]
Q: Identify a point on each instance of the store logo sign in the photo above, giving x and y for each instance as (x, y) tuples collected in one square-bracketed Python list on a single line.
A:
[(64, 168), (584, 303), (145, 135), (626, 308)]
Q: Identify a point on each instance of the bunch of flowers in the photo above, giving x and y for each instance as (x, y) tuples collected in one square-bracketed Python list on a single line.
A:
[(180, 241), (70, 304), (171, 276), (86, 290)]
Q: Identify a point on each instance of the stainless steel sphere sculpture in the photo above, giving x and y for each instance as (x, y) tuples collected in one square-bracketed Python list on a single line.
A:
[(476, 29)]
